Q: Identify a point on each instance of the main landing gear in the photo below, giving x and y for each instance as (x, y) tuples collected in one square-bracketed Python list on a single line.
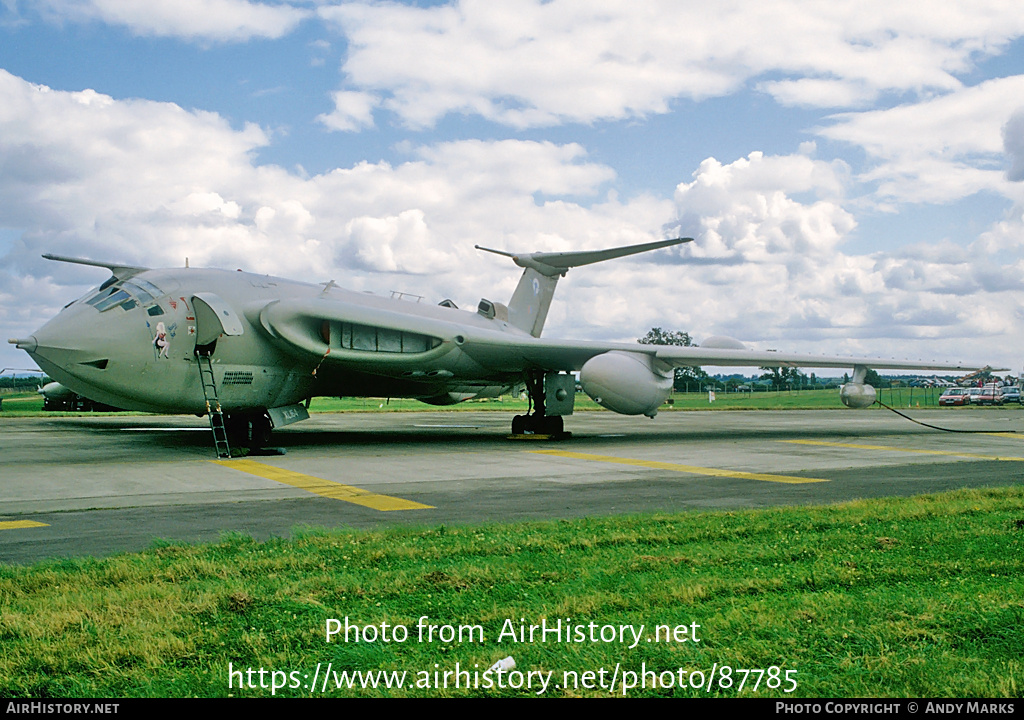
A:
[(538, 422), (251, 430)]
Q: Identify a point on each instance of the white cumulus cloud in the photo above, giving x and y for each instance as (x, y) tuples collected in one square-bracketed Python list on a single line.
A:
[(1013, 142), (150, 183), (352, 111), (529, 63), (219, 20), (940, 149)]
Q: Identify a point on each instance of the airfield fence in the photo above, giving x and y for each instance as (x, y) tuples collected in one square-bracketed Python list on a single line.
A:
[(895, 394)]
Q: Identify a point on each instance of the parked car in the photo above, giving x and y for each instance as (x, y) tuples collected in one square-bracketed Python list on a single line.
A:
[(1011, 393), (955, 396), (990, 396)]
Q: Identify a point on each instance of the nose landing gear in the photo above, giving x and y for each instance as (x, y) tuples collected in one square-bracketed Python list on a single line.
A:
[(251, 430)]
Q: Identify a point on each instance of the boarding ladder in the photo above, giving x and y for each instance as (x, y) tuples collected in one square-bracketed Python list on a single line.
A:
[(213, 411)]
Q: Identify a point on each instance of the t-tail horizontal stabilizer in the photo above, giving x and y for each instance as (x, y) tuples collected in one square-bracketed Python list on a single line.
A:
[(528, 308), (551, 264)]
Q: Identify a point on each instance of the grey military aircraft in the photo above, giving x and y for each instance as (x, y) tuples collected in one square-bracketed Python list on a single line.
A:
[(248, 350)]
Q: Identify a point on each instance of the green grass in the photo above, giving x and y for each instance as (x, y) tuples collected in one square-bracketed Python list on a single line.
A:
[(919, 597), (18, 404), (30, 404)]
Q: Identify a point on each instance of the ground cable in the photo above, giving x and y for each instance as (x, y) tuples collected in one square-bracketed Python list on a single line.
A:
[(936, 427)]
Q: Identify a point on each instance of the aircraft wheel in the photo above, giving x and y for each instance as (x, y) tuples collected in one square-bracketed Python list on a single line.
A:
[(519, 425), (261, 430), (237, 428), (553, 425), (535, 424)]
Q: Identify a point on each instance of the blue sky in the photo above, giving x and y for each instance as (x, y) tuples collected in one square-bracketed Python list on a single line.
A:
[(851, 171)]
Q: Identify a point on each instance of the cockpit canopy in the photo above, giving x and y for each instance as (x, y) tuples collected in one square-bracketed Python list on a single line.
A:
[(126, 294)]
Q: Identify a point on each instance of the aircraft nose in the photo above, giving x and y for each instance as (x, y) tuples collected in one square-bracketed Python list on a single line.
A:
[(102, 355), (65, 341), (28, 344)]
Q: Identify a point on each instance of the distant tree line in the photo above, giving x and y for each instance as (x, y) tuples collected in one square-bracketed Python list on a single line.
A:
[(684, 375), (779, 378), (25, 382), (872, 378)]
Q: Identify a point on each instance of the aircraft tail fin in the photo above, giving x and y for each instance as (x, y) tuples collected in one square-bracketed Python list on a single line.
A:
[(528, 308)]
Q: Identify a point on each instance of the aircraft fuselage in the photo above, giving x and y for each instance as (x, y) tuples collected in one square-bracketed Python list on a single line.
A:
[(133, 344)]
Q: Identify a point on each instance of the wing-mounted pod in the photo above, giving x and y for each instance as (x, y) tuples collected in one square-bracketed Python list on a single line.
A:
[(628, 383), (528, 308), (857, 393)]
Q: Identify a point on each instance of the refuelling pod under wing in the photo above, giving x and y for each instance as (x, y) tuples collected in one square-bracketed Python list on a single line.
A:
[(857, 395), (625, 382)]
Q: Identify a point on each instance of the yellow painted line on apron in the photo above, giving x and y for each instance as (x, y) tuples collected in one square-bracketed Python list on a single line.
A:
[(326, 488), (655, 465), (951, 453), (20, 524)]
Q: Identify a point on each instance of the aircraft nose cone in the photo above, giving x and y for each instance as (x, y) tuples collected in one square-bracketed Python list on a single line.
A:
[(66, 341), (28, 344), (74, 349), (54, 345)]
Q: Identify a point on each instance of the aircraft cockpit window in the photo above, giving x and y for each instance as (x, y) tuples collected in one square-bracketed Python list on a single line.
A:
[(139, 292), (116, 297), (128, 294), (104, 292), (143, 290)]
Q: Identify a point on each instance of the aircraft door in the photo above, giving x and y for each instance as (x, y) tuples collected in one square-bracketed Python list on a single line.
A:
[(214, 318)]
